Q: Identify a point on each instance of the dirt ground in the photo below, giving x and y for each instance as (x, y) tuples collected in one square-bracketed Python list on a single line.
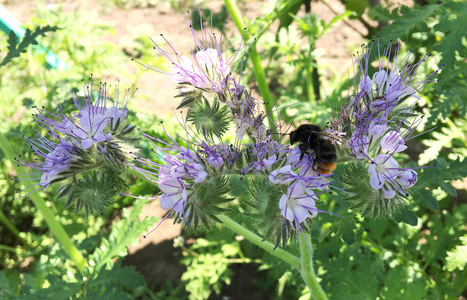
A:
[(155, 257)]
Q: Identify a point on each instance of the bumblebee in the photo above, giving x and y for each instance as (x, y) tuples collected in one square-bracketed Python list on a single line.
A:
[(312, 138)]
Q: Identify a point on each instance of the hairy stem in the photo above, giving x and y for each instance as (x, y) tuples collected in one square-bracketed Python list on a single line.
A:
[(46, 212), (258, 241), (307, 270)]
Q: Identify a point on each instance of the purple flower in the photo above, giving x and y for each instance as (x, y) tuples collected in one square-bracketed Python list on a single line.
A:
[(296, 205), (66, 148), (183, 170), (407, 179), (174, 194), (89, 124), (377, 117), (55, 159), (283, 175), (207, 70), (383, 168), (392, 142), (90, 128)]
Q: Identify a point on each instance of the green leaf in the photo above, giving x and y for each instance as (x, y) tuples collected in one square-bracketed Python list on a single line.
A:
[(457, 257), (440, 175), (398, 286), (8, 286), (119, 277), (416, 289), (15, 49), (407, 216), (455, 31), (123, 233), (382, 13), (425, 197), (408, 20), (346, 228), (356, 278), (58, 288)]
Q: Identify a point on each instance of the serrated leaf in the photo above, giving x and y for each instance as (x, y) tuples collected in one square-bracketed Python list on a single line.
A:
[(58, 288), (426, 198), (407, 21), (455, 31), (7, 286), (346, 228), (393, 283), (15, 49), (354, 279), (440, 175), (416, 289), (381, 13), (123, 233), (457, 257), (118, 276), (407, 216)]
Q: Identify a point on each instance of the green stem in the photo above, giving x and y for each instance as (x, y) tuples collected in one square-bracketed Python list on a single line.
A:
[(258, 241), (7, 248), (307, 270), (46, 212), (255, 60), (11, 227)]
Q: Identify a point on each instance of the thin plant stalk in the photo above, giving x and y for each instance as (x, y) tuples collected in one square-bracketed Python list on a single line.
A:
[(46, 212), (307, 271), (11, 227), (258, 241)]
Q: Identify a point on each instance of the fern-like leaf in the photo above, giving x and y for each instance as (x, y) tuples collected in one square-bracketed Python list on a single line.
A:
[(457, 257), (454, 28), (15, 49), (123, 233), (439, 176), (407, 20)]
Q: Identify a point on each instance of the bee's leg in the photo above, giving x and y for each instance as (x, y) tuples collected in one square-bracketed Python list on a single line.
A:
[(303, 150)]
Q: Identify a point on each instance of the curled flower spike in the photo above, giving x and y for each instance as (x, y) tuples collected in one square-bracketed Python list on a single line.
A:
[(68, 144), (189, 178), (377, 120), (208, 70)]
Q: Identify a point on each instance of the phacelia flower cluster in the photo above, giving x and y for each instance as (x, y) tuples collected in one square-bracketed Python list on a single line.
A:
[(67, 144), (183, 172), (208, 70), (187, 176), (379, 119)]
